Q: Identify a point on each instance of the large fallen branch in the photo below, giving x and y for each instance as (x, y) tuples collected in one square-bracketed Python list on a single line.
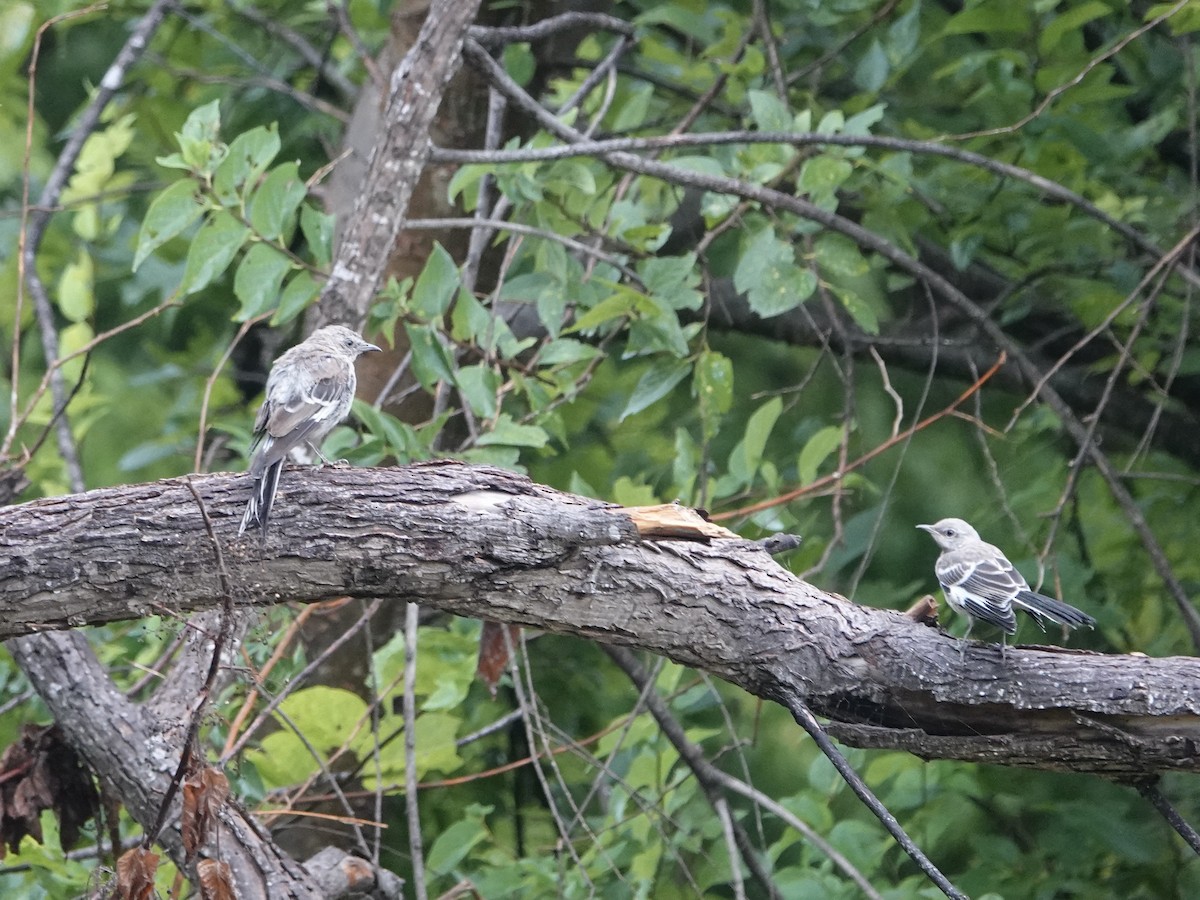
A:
[(484, 542)]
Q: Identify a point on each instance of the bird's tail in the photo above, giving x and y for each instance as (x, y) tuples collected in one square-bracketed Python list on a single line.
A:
[(258, 508), (1042, 607)]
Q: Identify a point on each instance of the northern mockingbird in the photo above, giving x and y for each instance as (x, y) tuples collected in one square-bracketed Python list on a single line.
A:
[(980, 582), (309, 391)]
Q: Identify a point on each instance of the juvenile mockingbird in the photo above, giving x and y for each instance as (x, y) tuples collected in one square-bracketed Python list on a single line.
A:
[(979, 581), (309, 391)]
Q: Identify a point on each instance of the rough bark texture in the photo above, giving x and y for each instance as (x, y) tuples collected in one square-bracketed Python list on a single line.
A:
[(135, 755), (414, 95), (484, 542)]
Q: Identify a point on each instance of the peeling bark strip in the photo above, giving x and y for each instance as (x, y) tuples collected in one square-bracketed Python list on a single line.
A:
[(484, 542), (414, 95)]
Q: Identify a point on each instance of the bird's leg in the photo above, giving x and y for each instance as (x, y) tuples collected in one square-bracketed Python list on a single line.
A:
[(325, 462), (1003, 648), (962, 644)]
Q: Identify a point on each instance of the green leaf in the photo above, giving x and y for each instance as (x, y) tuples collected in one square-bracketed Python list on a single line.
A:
[(212, 250), (249, 155), (172, 211), (76, 289), (436, 285), (655, 383), (747, 455), (872, 71), (839, 257), (769, 112), (317, 228), (324, 715), (256, 284), (714, 381), (624, 302), (1070, 22), (564, 351), (989, 17), (430, 360), (273, 204), (479, 383), (859, 308), (821, 176), (767, 274), (452, 846), (301, 290), (672, 279), (815, 452), (200, 147), (513, 434), (399, 436)]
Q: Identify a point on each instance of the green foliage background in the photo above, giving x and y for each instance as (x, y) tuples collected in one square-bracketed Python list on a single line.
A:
[(196, 194)]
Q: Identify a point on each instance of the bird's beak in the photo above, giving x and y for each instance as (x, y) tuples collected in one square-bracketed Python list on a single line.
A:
[(369, 347), (928, 528)]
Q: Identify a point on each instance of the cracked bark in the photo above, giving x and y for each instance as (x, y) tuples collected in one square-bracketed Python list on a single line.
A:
[(484, 542)]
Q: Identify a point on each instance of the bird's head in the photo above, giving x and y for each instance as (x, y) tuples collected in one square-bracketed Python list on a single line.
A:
[(951, 533), (342, 339)]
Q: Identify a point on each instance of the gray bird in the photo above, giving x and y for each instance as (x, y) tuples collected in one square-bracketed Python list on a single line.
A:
[(309, 391), (980, 582)]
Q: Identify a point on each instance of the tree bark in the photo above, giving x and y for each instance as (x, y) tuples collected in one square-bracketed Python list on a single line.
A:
[(483, 542), (414, 95)]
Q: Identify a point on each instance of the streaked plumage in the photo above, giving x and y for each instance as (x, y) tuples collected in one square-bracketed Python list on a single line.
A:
[(309, 391), (980, 582)]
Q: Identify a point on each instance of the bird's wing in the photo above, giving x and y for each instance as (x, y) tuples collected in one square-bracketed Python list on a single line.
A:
[(305, 394), (984, 583)]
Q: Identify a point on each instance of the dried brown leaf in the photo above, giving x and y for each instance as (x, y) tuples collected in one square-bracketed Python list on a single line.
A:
[(216, 880), (135, 874), (41, 771), (493, 652), (203, 795)]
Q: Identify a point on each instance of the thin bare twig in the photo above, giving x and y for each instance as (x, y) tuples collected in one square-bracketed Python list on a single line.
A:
[(806, 720), (1149, 789), (411, 804), (832, 478)]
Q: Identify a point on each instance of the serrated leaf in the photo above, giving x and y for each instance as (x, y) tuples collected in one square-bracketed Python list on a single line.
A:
[(273, 204), (213, 249), (436, 285), (172, 211), (248, 157), (76, 288), (655, 383), (256, 283), (815, 452), (301, 290)]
